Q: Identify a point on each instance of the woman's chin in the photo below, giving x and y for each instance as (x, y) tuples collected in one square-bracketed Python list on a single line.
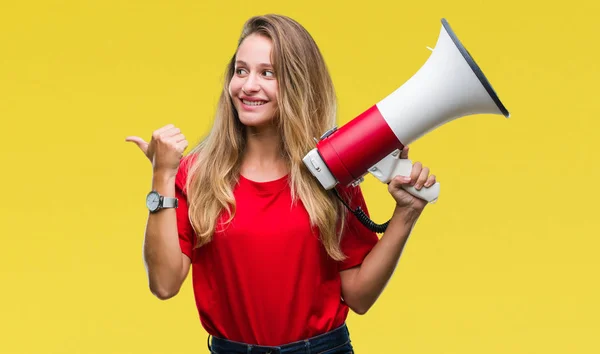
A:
[(256, 122)]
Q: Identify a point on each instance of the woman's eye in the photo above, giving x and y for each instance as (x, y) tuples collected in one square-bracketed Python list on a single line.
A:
[(269, 73), (240, 71)]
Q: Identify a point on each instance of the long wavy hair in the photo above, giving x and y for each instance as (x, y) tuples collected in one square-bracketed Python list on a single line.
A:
[(306, 109)]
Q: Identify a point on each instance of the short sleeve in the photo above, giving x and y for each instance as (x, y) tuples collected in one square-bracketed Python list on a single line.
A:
[(184, 227), (357, 240)]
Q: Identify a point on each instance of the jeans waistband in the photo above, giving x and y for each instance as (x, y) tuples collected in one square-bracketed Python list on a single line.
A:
[(332, 339)]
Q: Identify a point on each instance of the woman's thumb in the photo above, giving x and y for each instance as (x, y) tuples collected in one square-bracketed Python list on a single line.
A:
[(139, 142)]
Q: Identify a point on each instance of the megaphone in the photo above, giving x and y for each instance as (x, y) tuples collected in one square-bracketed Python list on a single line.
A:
[(449, 85)]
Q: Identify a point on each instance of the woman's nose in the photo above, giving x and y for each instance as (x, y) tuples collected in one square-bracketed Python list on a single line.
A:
[(251, 84)]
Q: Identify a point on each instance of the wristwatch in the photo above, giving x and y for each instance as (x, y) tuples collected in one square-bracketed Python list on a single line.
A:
[(156, 202)]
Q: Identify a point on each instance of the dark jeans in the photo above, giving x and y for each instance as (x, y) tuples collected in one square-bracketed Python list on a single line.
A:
[(336, 341)]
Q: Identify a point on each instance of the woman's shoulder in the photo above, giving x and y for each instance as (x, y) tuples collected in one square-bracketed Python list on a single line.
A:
[(183, 171), (187, 161)]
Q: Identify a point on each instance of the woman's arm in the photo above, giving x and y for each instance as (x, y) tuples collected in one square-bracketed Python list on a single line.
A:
[(166, 266), (362, 285)]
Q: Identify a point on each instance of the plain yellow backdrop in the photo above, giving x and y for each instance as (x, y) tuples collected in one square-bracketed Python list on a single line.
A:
[(505, 262)]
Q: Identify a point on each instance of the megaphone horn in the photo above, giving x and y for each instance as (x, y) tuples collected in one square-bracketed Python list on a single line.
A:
[(449, 85)]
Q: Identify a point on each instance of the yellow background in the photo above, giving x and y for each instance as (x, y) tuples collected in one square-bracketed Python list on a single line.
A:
[(505, 262)]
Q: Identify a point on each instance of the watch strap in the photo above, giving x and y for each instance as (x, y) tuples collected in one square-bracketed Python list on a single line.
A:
[(170, 202)]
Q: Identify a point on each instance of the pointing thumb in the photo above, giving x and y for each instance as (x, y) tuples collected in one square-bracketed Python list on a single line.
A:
[(139, 142)]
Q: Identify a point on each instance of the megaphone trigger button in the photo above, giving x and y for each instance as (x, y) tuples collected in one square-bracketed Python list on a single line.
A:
[(315, 164)]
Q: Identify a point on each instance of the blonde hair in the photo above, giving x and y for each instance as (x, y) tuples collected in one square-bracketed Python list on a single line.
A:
[(306, 109)]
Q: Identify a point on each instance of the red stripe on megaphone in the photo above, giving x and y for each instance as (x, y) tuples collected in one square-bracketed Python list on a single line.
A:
[(358, 145)]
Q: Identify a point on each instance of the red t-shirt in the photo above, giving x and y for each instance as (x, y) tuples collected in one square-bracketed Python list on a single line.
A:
[(266, 279)]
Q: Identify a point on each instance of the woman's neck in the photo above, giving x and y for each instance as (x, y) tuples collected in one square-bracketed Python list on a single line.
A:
[(263, 158)]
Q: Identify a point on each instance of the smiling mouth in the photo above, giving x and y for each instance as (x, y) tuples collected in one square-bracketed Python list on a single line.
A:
[(253, 103)]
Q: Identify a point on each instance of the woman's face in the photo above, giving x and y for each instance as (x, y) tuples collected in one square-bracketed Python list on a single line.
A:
[(253, 87)]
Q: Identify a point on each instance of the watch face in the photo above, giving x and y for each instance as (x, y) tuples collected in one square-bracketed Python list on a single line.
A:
[(152, 201)]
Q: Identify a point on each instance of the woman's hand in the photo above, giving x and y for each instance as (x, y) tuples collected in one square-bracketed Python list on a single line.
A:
[(164, 150), (419, 178)]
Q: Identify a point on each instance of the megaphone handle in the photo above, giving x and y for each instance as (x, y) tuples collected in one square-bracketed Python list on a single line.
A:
[(392, 166), (403, 168), (429, 194)]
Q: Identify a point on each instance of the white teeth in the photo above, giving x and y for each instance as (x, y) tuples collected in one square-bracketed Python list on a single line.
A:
[(253, 103)]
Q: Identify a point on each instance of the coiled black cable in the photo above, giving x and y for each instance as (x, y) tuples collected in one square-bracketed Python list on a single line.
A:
[(363, 218)]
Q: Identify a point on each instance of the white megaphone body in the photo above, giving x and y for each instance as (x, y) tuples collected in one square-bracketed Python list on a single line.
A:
[(448, 86)]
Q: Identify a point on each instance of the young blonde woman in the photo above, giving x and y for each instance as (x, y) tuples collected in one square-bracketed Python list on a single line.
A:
[(277, 262)]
